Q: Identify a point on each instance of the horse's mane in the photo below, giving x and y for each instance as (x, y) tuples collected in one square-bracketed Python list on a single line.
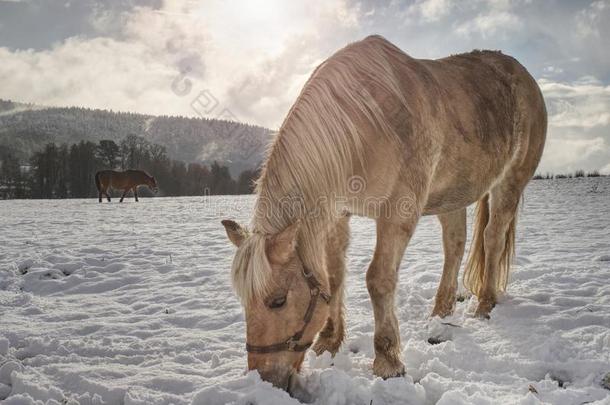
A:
[(314, 154)]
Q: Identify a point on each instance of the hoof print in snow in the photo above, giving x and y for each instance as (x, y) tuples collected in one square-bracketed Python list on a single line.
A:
[(435, 340), (25, 266), (561, 382), (606, 381), (439, 332), (52, 275), (461, 297)]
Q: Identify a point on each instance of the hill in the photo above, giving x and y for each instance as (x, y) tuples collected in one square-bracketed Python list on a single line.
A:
[(26, 128)]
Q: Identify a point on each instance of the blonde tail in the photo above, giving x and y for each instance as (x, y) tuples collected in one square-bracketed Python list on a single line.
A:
[(475, 265)]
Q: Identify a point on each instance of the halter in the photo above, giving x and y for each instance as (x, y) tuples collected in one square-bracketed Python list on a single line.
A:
[(292, 344)]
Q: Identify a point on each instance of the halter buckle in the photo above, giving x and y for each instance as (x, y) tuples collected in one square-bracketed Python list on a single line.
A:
[(291, 344)]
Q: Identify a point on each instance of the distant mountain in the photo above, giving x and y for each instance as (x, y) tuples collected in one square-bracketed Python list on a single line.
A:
[(26, 128)]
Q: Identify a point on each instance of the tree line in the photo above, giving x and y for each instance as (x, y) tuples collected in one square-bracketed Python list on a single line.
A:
[(576, 174), (67, 171)]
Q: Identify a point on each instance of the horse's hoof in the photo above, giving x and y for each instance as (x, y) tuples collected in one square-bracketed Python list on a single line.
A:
[(326, 345), (397, 374), (482, 316), (484, 309), (385, 368), (444, 306), (441, 312)]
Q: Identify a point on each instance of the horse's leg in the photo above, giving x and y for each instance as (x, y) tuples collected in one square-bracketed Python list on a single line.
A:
[(124, 194), (498, 241), (381, 279), (331, 336), (135, 192), (107, 194), (99, 195), (454, 240)]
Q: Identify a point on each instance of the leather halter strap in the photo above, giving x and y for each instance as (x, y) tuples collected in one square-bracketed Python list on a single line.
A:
[(292, 344)]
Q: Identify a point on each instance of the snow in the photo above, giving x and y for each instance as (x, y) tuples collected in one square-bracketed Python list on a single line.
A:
[(132, 304)]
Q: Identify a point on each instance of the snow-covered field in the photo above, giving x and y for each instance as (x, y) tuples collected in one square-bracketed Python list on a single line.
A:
[(132, 304)]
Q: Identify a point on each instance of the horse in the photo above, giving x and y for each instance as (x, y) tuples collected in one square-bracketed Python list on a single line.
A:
[(127, 180), (377, 133)]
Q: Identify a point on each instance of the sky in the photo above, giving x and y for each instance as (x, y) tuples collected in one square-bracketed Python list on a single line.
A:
[(247, 60)]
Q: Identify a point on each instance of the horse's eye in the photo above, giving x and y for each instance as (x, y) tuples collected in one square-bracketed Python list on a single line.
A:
[(277, 302)]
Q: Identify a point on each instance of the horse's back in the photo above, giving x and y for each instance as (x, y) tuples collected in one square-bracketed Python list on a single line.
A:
[(493, 122), (461, 120), (489, 85), (472, 95), (104, 175), (113, 178)]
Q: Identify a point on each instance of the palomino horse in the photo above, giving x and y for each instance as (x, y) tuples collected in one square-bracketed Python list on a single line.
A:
[(127, 180), (377, 133)]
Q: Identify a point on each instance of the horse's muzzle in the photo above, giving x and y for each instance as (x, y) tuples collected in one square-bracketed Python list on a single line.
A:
[(280, 378)]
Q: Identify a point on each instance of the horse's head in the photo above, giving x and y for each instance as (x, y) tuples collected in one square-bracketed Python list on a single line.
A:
[(152, 183), (285, 305)]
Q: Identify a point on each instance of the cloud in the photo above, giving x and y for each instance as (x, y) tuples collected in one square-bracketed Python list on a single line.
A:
[(584, 103), (568, 155), (137, 55), (589, 19), (131, 73), (246, 56), (579, 124), (490, 24), (430, 10)]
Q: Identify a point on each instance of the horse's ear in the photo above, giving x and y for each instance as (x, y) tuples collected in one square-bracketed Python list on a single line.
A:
[(235, 232), (281, 247)]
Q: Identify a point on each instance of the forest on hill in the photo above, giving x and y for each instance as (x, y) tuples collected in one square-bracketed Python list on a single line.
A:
[(26, 129)]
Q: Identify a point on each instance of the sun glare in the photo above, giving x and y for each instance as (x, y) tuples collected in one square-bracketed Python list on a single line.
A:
[(260, 24), (266, 11)]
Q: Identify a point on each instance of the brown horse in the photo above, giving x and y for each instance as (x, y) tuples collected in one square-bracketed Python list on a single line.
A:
[(127, 180), (380, 134)]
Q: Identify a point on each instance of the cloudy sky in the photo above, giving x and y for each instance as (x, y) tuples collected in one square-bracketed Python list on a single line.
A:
[(246, 60)]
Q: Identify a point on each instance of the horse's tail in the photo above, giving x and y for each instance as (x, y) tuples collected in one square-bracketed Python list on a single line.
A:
[(475, 265), (98, 184)]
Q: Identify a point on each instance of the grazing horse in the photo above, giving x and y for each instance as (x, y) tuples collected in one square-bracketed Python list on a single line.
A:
[(127, 180), (377, 133)]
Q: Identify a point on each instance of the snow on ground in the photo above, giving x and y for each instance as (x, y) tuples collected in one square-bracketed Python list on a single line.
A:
[(132, 304)]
